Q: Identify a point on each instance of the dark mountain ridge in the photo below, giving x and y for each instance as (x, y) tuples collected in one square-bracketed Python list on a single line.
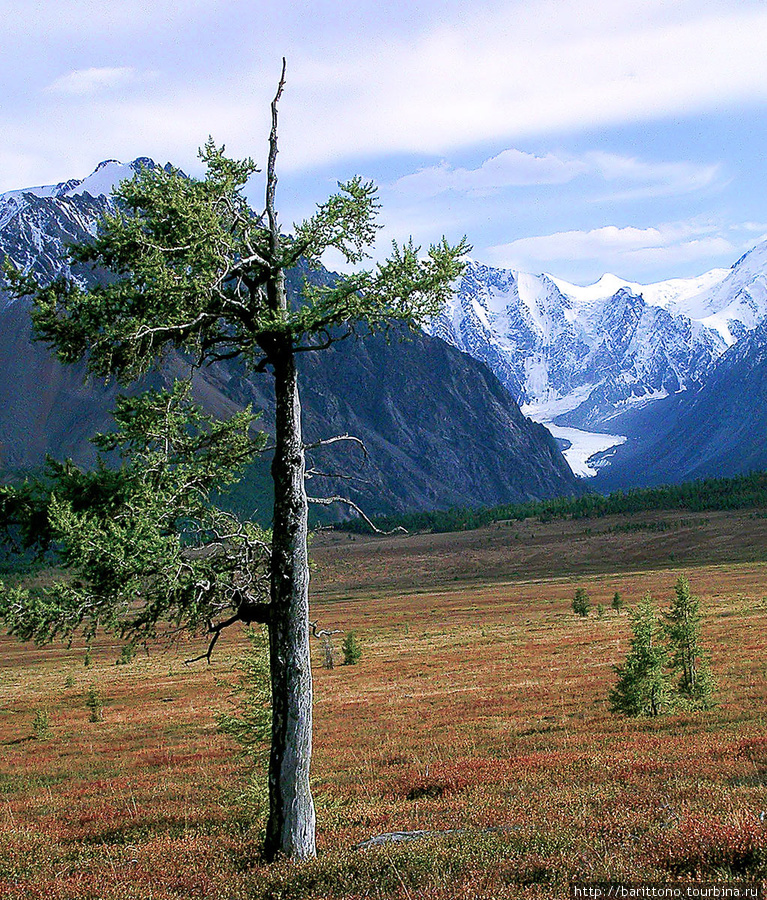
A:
[(439, 427), (716, 429)]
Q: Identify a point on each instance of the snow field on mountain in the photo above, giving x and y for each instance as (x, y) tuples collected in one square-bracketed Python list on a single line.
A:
[(578, 358)]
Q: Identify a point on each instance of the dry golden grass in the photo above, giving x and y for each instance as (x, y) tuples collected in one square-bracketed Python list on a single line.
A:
[(531, 549), (478, 710)]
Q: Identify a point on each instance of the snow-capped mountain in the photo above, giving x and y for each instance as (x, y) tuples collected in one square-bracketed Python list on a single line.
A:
[(584, 361), (583, 356), (718, 430), (102, 181), (440, 429), (37, 223)]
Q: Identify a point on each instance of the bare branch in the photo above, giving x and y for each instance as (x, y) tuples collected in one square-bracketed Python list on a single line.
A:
[(327, 501), (271, 173), (245, 265), (307, 348), (315, 473), (327, 339), (206, 551), (170, 331), (247, 613), (323, 632), (215, 630), (335, 440)]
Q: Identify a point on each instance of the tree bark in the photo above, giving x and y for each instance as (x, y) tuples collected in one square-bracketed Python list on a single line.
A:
[(290, 829)]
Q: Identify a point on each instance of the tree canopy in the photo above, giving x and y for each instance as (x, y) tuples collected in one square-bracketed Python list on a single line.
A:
[(642, 687), (687, 657), (145, 545), (190, 265)]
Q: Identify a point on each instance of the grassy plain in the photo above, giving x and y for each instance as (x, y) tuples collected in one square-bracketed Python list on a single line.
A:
[(478, 712)]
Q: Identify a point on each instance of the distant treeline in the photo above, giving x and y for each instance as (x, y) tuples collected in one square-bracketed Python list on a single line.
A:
[(741, 492)]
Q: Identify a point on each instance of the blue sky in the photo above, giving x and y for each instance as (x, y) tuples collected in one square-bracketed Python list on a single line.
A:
[(568, 136)]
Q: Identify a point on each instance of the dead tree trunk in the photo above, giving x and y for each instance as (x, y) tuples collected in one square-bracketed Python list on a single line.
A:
[(291, 824), (290, 829)]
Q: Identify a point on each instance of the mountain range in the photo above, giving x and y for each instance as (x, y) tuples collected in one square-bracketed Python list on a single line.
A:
[(439, 427), (719, 428), (587, 361), (638, 384)]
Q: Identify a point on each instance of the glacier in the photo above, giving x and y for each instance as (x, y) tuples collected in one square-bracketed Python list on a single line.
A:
[(578, 359)]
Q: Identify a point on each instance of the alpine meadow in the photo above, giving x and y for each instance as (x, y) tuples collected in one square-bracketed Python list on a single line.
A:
[(218, 681)]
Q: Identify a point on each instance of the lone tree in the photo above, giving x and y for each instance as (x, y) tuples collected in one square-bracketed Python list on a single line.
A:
[(642, 687), (581, 602), (682, 626), (192, 267)]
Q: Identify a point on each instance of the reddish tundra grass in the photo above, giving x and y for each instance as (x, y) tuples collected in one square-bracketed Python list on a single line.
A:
[(477, 713)]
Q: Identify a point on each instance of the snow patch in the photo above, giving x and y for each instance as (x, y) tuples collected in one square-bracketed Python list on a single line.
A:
[(546, 410), (583, 446), (104, 180)]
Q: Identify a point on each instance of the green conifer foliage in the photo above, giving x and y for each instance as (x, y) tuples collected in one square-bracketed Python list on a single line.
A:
[(581, 602), (643, 685), (351, 649), (193, 268), (249, 723), (145, 544), (687, 658)]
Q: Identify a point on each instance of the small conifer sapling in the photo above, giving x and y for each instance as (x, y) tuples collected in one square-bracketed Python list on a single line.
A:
[(581, 602)]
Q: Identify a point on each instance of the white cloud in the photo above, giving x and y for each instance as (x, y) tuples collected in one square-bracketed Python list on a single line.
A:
[(621, 249), (514, 168), (752, 227), (83, 82), (653, 179), (370, 83), (533, 68), (496, 72), (47, 18), (511, 168)]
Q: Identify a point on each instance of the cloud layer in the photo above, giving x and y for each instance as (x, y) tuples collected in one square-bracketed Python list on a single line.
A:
[(515, 168), (534, 68), (447, 76), (628, 247), (93, 81), (486, 118)]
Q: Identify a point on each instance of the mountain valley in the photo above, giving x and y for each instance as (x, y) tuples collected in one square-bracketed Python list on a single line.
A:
[(638, 384), (440, 429), (588, 361)]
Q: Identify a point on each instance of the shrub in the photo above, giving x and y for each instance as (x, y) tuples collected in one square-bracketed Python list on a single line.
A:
[(250, 722), (617, 602), (126, 655), (41, 725), (409, 868), (705, 846), (95, 703), (581, 602), (682, 627), (643, 687), (351, 650)]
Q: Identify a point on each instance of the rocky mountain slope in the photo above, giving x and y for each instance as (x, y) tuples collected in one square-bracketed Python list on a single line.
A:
[(440, 429), (588, 359), (719, 429), (594, 352)]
